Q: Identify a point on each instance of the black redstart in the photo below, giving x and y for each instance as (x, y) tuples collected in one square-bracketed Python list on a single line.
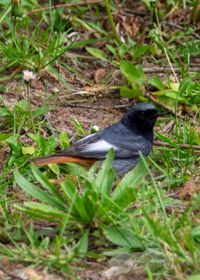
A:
[(133, 133)]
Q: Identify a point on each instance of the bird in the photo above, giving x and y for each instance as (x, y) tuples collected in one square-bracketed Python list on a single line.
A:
[(128, 137)]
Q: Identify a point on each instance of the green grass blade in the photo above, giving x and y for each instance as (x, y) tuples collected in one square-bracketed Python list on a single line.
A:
[(29, 188), (106, 175), (46, 184), (37, 214), (44, 209)]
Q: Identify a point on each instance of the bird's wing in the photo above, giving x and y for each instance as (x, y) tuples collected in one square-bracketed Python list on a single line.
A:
[(92, 146), (124, 142)]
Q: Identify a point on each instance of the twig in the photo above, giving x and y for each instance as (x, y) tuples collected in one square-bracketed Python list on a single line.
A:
[(111, 21), (177, 26), (170, 110), (196, 148), (13, 276), (168, 69), (128, 12), (97, 107), (168, 127), (66, 5)]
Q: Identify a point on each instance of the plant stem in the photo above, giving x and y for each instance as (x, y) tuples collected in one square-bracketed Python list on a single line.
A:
[(165, 50), (29, 101), (111, 21), (64, 5)]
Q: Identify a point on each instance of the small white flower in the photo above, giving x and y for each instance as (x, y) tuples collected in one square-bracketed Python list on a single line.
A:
[(72, 37), (95, 128), (28, 75)]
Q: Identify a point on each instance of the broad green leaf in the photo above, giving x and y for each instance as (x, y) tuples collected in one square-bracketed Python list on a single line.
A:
[(117, 252), (77, 201), (4, 112), (124, 193), (44, 209), (148, 4), (97, 53), (106, 174), (134, 74), (174, 86), (50, 145), (46, 184), (194, 277), (40, 111), (54, 168), (81, 209), (64, 139), (98, 27), (90, 199), (157, 83), (139, 50), (171, 94), (130, 93), (196, 232), (165, 92), (4, 136), (123, 237), (111, 49), (69, 189), (183, 86), (23, 106), (82, 246), (29, 150), (33, 136), (35, 192), (191, 48), (76, 169), (192, 93), (122, 50), (37, 214), (14, 144), (175, 96)]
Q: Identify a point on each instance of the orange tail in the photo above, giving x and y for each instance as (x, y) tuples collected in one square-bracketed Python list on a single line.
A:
[(62, 159)]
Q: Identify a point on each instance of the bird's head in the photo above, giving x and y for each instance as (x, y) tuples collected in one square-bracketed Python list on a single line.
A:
[(142, 116)]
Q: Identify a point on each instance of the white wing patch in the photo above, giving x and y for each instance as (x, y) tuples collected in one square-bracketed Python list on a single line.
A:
[(99, 146)]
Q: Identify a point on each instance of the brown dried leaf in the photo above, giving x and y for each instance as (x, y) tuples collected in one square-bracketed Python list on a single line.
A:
[(37, 84), (99, 75), (190, 188), (131, 25)]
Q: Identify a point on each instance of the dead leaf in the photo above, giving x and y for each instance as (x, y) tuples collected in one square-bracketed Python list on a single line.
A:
[(37, 84), (190, 188), (99, 75)]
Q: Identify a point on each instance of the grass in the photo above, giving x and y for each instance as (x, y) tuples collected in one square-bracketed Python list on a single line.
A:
[(60, 218)]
